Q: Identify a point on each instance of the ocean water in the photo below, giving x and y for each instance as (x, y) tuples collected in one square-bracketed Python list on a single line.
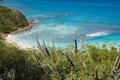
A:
[(62, 20)]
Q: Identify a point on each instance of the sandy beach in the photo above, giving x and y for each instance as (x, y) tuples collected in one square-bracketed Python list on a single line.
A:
[(11, 40)]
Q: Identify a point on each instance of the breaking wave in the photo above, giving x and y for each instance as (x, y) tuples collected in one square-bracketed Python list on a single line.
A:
[(98, 34)]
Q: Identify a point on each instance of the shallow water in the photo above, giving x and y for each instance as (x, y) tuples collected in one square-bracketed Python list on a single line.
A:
[(63, 20)]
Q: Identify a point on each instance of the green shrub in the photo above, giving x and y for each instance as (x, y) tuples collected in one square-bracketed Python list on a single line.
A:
[(61, 64)]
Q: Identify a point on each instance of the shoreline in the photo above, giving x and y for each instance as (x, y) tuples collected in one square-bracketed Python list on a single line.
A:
[(27, 28), (9, 39)]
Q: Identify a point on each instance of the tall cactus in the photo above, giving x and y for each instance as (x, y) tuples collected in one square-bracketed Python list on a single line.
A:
[(40, 47), (46, 49), (70, 61), (75, 41)]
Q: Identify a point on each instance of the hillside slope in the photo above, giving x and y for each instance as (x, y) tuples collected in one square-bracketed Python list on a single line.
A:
[(11, 20)]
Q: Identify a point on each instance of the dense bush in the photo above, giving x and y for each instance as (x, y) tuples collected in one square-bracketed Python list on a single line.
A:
[(11, 20), (88, 63), (16, 64)]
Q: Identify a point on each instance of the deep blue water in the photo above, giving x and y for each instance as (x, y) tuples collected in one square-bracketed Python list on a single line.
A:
[(90, 20)]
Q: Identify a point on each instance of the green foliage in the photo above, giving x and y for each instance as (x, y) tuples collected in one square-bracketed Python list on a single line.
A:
[(87, 63), (16, 64), (11, 20), (61, 64), (1, 37)]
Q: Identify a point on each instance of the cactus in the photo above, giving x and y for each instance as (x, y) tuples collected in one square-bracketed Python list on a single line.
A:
[(46, 49), (75, 41), (40, 47), (70, 61)]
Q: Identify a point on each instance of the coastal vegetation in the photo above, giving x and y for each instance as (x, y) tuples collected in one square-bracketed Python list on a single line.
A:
[(11, 20), (50, 63), (89, 62)]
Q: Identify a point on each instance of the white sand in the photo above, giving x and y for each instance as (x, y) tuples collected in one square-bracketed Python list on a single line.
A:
[(11, 40)]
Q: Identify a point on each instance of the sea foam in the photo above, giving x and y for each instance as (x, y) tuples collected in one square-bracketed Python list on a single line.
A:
[(11, 40), (97, 34)]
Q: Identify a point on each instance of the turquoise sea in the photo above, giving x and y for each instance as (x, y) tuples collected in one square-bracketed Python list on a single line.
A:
[(62, 20)]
